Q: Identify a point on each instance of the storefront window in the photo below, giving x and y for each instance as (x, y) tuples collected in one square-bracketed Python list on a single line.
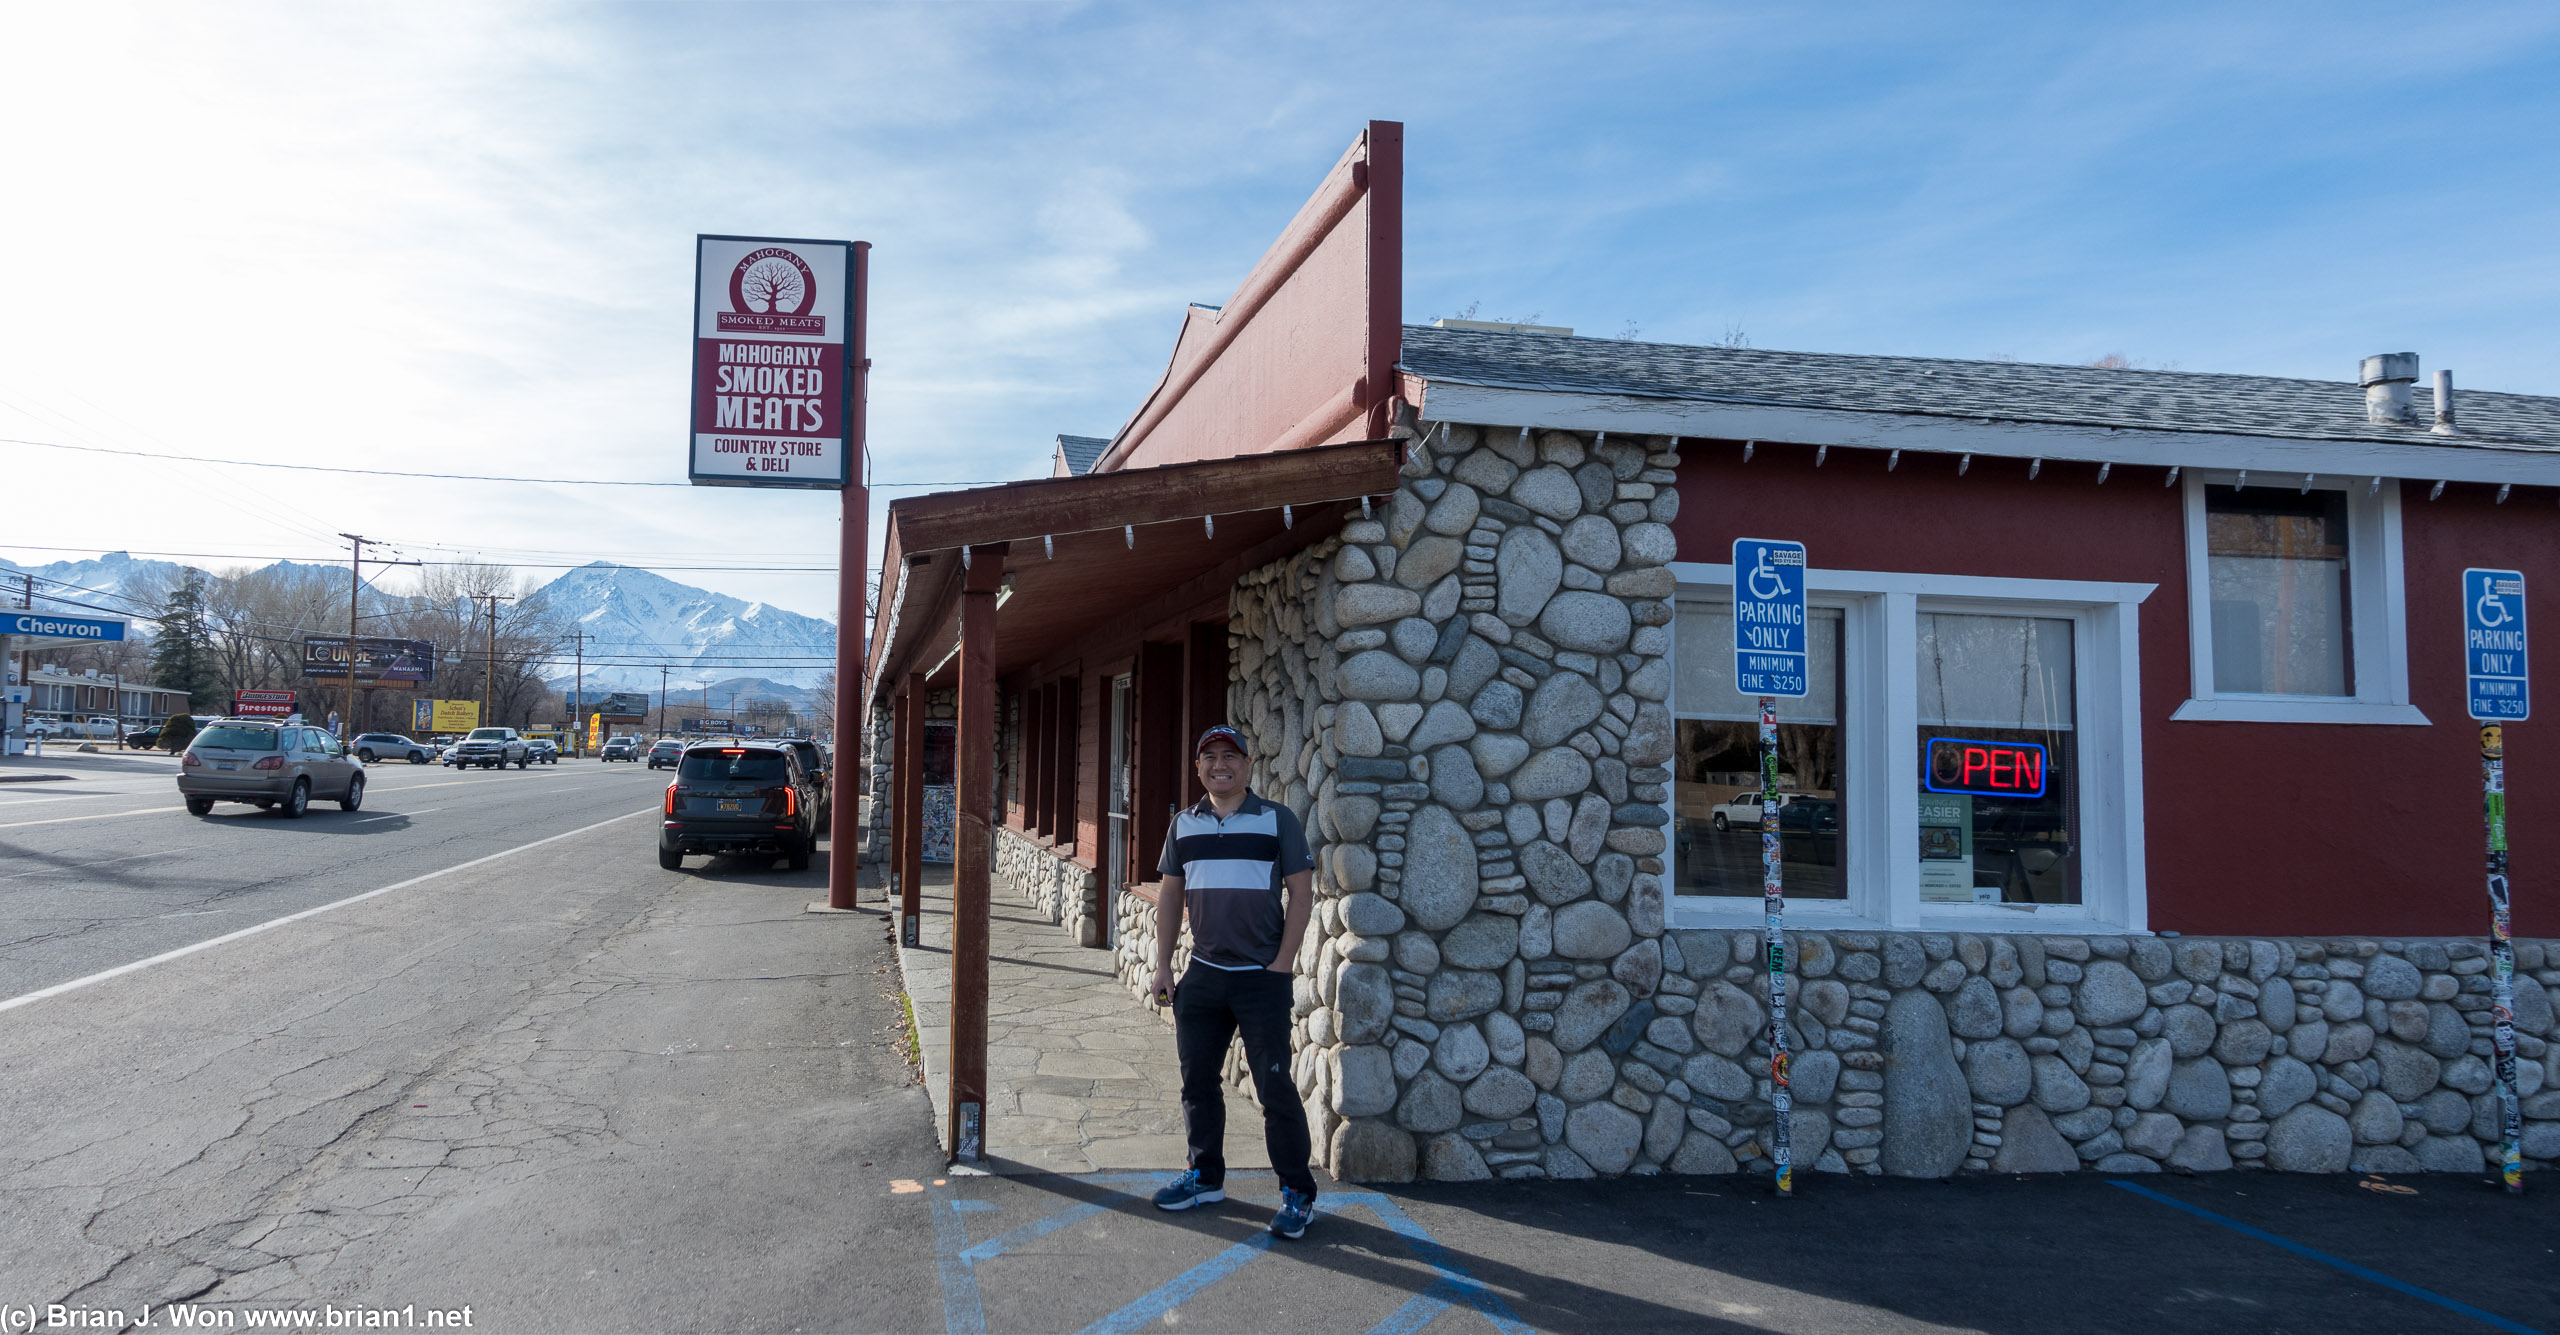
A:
[(1716, 773), (2277, 563), (1999, 760)]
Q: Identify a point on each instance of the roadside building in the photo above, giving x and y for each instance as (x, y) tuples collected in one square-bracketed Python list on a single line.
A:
[(58, 693), (2132, 819)]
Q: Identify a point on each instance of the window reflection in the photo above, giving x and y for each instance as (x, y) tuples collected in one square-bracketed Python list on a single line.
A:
[(2277, 564), (1996, 705), (1716, 831)]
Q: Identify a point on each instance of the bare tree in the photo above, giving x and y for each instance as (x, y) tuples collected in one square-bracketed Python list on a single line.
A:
[(773, 284)]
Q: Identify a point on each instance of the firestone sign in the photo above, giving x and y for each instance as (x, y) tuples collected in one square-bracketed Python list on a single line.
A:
[(772, 390)]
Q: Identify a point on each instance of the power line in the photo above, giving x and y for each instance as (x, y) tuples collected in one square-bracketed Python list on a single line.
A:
[(389, 472)]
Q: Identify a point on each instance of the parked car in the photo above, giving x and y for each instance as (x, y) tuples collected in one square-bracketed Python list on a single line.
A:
[(373, 746), (491, 748), (666, 751), (1744, 810), (46, 727), (542, 751), (815, 763), (620, 748), (744, 800), (280, 767)]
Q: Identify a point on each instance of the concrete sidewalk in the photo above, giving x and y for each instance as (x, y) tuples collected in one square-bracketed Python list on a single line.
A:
[(1080, 1076)]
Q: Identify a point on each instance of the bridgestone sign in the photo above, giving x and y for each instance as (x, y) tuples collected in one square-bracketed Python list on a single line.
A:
[(772, 391)]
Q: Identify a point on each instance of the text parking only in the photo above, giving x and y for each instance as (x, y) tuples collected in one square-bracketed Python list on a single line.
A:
[(2493, 648), (1770, 651)]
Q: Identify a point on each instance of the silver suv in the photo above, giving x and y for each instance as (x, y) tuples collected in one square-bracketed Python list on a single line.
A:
[(492, 748), (278, 767)]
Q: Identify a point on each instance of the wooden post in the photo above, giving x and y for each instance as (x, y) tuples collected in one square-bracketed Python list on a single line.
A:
[(906, 810), (901, 755), (972, 850), (853, 559)]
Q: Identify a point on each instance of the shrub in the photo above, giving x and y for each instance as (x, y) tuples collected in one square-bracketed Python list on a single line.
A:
[(176, 732)]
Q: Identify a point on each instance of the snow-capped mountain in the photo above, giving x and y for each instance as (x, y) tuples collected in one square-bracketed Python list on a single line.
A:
[(96, 582), (639, 620), (637, 616)]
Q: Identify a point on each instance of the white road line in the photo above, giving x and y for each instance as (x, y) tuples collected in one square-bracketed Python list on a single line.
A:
[(103, 815), (396, 815), (40, 994)]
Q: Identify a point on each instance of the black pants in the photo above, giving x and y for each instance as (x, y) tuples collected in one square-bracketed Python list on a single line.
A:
[(1209, 1009)]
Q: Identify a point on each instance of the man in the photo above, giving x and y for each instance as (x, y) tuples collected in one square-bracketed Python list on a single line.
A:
[(1226, 860)]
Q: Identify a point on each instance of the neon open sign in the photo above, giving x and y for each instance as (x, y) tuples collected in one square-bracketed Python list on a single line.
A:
[(1984, 769)]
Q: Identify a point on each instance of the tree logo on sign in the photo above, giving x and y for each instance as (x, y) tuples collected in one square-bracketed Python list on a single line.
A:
[(771, 291)]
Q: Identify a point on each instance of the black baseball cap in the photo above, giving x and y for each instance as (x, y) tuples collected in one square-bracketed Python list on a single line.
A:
[(1219, 733)]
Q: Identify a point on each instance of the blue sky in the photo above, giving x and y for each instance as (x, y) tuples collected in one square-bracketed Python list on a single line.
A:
[(458, 238)]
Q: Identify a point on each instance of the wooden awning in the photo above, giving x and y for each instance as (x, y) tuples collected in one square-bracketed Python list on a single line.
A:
[(1081, 551)]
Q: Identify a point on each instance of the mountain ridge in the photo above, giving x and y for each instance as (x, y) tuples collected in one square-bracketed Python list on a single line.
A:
[(640, 620)]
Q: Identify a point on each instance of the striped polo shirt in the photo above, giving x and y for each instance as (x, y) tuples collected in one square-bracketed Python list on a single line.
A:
[(1232, 870)]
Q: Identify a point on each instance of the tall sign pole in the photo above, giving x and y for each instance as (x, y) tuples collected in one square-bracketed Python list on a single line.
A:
[(2499, 692), (1772, 658), (781, 361)]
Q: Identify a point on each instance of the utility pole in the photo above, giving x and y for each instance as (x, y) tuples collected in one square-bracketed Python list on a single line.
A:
[(489, 663), (662, 702), (578, 711), (355, 592)]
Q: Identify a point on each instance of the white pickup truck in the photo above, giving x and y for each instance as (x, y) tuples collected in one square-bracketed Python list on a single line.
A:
[(97, 725)]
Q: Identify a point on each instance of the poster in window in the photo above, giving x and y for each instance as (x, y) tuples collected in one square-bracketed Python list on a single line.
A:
[(1946, 851)]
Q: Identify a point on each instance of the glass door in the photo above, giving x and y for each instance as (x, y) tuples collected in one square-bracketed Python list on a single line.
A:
[(1116, 803)]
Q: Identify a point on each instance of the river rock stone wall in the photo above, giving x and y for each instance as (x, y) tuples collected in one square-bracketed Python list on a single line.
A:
[(1060, 887)]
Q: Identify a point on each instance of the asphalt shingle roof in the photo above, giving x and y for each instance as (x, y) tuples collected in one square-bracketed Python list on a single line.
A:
[(1081, 451), (1996, 391)]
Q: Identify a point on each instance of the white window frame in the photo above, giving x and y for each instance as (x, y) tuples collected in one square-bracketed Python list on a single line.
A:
[(2377, 617), (1880, 708)]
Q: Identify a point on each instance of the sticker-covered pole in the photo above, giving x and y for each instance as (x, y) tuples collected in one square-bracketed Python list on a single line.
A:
[(1773, 895), (2502, 956)]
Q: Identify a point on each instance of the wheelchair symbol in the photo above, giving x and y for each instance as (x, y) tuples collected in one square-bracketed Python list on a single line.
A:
[(1776, 585), (2490, 611)]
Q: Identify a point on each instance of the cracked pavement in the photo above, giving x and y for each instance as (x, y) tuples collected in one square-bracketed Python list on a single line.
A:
[(566, 1088)]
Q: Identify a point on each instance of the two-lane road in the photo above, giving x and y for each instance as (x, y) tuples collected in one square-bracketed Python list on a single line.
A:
[(109, 868)]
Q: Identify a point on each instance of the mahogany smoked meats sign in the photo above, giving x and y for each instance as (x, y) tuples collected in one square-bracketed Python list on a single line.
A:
[(772, 391)]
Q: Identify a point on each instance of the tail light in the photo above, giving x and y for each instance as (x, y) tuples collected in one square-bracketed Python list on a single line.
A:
[(790, 801), (191, 762), (271, 762), (671, 799)]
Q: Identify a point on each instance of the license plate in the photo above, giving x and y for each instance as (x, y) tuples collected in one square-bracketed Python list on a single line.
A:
[(226, 764), (728, 806)]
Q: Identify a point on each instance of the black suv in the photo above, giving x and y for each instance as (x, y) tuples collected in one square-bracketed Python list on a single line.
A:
[(814, 762), (746, 800)]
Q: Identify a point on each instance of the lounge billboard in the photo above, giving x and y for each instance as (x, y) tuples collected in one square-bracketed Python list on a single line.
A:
[(382, 662)]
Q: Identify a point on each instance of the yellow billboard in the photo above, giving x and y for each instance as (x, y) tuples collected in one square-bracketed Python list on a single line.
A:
[(455, 716)]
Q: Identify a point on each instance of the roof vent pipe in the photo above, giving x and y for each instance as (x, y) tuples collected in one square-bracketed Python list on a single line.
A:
[(2444, 405), (2386, 378)]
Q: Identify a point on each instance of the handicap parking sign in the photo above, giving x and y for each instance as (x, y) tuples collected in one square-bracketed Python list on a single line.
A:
[(2493, 645), (1771, 654)]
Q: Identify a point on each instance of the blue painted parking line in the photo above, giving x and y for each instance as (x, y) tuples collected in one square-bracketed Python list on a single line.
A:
[(2350, 1267), (965, 1314), (1178, 1290), (962, 1313)]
